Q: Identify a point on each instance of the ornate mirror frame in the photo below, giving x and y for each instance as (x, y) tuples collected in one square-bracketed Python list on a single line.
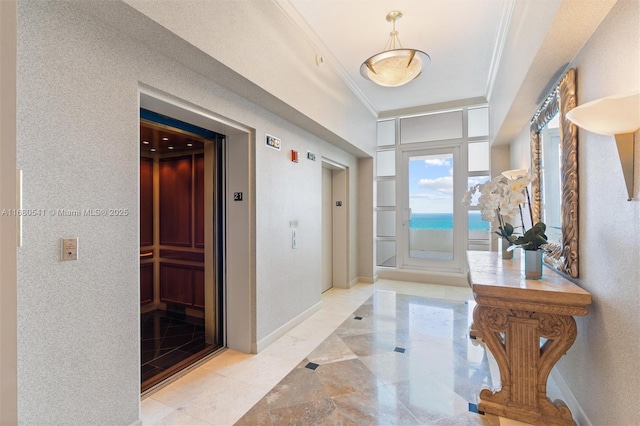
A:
[(562, 99)]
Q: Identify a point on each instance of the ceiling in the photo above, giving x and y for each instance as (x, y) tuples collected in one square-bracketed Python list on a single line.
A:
[(507, 53), (462, 37), (159, 139)]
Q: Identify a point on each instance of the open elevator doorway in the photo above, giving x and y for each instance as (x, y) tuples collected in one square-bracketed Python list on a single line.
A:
[(181, 245)]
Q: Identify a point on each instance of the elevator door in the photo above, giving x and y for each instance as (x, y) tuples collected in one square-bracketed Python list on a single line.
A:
[(180, 246), (335, 225)]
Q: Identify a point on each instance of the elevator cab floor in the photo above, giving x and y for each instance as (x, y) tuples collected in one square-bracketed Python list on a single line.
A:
[(170, 342)]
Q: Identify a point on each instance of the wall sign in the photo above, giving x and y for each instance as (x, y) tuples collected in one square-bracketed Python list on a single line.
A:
[(273, 142), (237, 196), (311, 156)]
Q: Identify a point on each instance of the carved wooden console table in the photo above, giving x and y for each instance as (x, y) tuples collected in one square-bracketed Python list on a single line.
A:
[(527, 325)]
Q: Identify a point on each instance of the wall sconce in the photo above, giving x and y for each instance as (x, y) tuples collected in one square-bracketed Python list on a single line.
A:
[(618, 116)]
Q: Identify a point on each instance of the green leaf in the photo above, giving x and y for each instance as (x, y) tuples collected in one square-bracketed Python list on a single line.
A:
[(541, 226), (508, 228), (540, 240)]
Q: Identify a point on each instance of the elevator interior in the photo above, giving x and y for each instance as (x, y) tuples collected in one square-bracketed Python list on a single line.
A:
[(180, 245)]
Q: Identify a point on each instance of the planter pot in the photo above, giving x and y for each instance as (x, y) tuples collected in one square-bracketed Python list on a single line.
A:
[(532, 264), (503, 244)]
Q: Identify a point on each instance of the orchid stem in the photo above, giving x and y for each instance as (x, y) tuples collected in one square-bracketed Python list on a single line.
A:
[(499, 218), (526, 190), (521, 219), (533, 230)]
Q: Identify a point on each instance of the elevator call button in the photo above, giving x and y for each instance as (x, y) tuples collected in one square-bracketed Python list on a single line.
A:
[(69, 249)]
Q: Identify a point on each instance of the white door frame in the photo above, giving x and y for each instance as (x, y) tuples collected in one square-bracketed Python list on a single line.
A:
[(457, 264), (239, 256), (340, 220)]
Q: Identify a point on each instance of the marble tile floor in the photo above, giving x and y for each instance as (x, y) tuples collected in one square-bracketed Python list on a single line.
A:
[(376, 354)]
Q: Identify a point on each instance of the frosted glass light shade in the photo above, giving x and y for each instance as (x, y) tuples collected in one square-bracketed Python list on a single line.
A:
[(608, 116), (393, 68), (618, 116)]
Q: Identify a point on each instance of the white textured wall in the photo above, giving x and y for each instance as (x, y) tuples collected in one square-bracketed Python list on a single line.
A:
[(285, 191), (78, 322), (263, 45), (600, 368), (520, 149)]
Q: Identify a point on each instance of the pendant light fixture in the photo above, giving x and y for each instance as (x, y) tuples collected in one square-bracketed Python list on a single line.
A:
[(394, 66)]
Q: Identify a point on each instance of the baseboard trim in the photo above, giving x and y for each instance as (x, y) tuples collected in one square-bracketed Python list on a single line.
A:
[(579, 415), (425, 277), (281, 331), (366, 280)]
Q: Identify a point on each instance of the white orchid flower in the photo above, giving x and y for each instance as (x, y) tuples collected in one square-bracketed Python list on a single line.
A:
[(515, 174), (466, 200), (519, 184)]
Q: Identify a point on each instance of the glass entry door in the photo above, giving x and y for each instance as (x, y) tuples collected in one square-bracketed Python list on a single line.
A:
[(432, 219)]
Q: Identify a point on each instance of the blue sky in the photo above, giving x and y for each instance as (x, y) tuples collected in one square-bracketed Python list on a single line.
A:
[(431, 184)]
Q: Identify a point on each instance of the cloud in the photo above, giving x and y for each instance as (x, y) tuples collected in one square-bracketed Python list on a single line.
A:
[(442, 184), (474, 180), (438, 162), (432, 197)]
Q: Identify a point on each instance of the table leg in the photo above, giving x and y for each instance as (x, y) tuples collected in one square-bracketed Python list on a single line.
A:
[(514, 338)]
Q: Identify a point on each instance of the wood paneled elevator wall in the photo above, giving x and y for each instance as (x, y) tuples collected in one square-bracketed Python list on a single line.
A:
[(172, 237)]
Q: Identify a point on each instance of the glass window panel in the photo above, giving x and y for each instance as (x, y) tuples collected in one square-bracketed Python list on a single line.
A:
[(386, 224), (386, 253), (479, 235), (386, 164), (431, 201), (478, 122), (473, 181), (386, 193), (386, 133), (478, 156), (478, 228), (431, 127)]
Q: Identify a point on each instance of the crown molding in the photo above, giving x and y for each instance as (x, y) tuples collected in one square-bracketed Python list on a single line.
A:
[(503, 30), (322, 50)]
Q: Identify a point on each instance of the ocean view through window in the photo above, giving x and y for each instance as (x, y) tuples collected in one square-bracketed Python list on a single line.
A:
[(445, 221), (423, 161)]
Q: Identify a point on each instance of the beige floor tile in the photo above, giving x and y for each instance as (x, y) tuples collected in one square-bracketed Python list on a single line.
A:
[(153, 411), (177, 417), (407, 390)]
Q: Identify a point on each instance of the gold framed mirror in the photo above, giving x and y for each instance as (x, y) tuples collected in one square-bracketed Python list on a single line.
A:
[(549, 157)]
